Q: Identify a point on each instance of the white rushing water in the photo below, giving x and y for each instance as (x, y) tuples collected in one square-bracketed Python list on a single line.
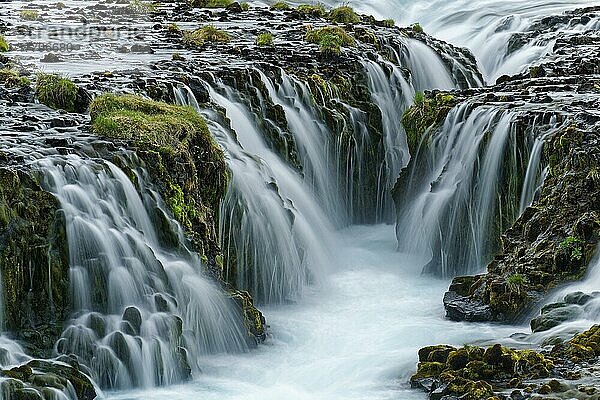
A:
[(355, 337), (483, 26), (145, 314)]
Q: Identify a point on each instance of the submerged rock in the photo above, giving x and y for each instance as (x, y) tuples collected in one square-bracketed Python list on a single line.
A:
[(40, 379)]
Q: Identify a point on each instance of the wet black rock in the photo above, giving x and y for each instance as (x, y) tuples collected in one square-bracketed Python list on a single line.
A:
[(554, 314)]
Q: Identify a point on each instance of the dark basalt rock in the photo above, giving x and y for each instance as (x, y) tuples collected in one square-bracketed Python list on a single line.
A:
[(571, 308), (474, 372), (32, 380)]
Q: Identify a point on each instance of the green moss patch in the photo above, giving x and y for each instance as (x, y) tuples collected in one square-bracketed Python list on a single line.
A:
[(210, 3), (56, 91), (4, 47), (264, 39), (330, 39), (281, 6), (204, 35), (425, 112), (146, 122), (29, 15), (343, 15), (11, 78), (313, 10)]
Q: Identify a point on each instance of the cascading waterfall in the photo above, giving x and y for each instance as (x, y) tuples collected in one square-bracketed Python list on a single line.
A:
[(313, 141), (144, 313), (464, 185), (271, 222), (276, 220), (483, 26), (536, 173)]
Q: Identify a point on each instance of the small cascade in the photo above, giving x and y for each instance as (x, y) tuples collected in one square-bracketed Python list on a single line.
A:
[(485, 27), (272, 225), (536, 173), (571, 309), (144, 313), (393, 94), (463, 187), (313, 141)]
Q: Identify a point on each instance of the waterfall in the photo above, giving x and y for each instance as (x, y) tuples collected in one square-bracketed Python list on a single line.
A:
[(463, 187), (271, 223), (536, 173), (313, 141), (485, 27), (144, 314)]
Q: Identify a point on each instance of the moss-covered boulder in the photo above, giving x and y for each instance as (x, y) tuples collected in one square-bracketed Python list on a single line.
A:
[(60, 93), (34, 261), (187, 167), (41, 379), (473, 372)]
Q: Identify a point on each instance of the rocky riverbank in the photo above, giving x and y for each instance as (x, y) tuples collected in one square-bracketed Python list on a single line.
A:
[(550, 243)]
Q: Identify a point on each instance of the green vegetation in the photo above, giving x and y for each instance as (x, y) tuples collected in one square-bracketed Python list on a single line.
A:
[(316, 10), (177, 57), (281, 6), (146, 122), (330, 39), (3, 44), (264, 39), (206, 34), (184, 212), (56, 91), (343, 15), (389, 23), (141, 7), (210, 3), (29, 15), (417, 28), (516, 282), (516, 279), (245, 6), (425, 112), (573, 245), (12, 78), (174, 29)]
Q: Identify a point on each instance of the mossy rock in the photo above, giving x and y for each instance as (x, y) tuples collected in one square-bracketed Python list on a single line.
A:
[(343, 15), (427, 110), (585, 345), (205, 35), (34, 261), (60, 93)]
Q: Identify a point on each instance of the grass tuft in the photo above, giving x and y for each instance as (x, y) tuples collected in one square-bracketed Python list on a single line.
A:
[(314, 10), (29, 15), (4, 47), (56, 92), (343, 15), (330, 39), (281, 6), (141, 7), (206, 34), (210, 3), (11, 78), (264, 39)]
